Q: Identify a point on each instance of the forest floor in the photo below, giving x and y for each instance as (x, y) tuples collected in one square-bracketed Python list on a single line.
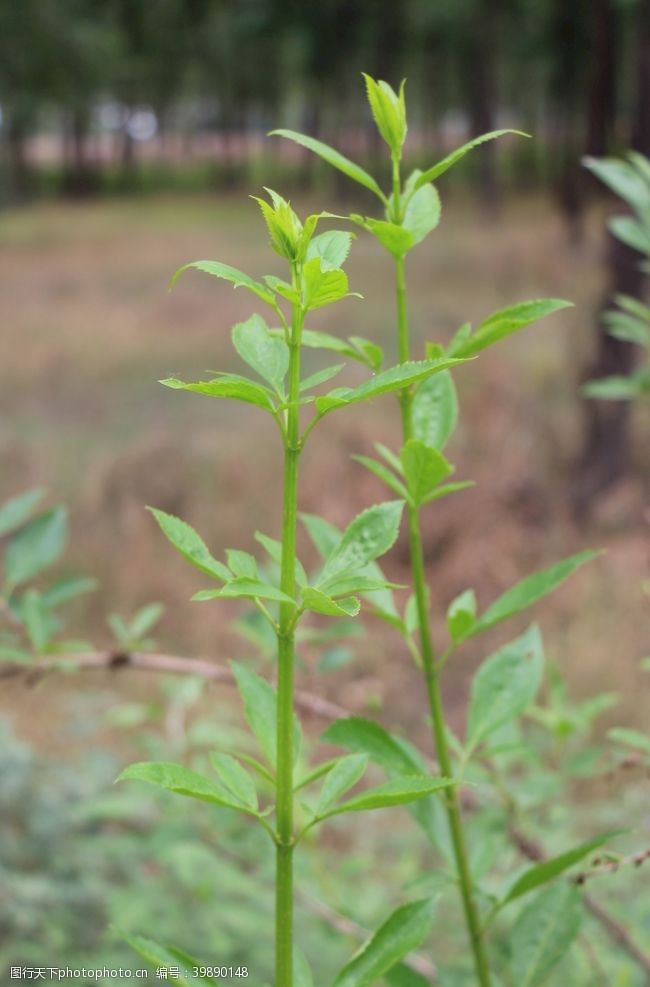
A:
[(88, 328)]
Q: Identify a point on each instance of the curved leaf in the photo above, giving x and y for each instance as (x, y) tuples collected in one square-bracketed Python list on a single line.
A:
[(334, 158)]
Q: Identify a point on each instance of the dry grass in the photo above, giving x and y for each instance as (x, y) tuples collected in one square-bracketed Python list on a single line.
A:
[(88, 327)]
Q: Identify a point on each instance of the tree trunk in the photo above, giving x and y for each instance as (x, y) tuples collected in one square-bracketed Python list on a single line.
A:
[(482, 63)]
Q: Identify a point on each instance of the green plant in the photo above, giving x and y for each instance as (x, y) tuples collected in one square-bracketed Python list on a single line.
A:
[(31, 622), (630, 320), (509, 680), (283, 593)]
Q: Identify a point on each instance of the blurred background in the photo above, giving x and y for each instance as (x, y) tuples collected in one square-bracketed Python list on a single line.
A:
[(131, 134)]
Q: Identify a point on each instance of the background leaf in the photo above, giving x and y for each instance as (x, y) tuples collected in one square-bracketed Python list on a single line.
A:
[(543, 933), (36, 546)]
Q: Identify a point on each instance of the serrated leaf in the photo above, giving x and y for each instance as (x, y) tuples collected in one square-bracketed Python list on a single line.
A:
[(367, 737), (334, 158), (260, 703), (168, 958), (543, 933), (424, 468), (367, 537), (14, 512), (266, 354), (394, 379), (434, 410), (345, 773), (547, 870), (181, 781), (529, 590), (227, 273), (36, 546), (461, 614), (504, 323), (398, 791), (320, 377), (241, 563), (332, 249), (422, 213), (388, 112), (396, 239), (322, 287), (384, 474), (190, 545), (402, 932), (235, 778), (315, 600), (431, 174), (226, 386), (505, 685), (243, 587)]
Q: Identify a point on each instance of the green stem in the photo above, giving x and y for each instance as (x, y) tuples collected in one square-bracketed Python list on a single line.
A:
[(429, 666), (286, 657)]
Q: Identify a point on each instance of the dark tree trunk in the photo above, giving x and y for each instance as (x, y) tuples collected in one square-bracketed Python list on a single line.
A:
[(602, 87), (19, 171), (482, 66)]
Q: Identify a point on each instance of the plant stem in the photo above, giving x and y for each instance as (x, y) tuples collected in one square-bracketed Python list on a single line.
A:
[(286, 655), (429, 664)]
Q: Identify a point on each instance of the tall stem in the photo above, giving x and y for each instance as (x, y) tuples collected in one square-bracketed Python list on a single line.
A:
[(429, 665), (286, 656)]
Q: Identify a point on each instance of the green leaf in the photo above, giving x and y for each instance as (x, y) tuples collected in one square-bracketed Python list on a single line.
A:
[(332, 249), (622, 179), (266, 354), (504, 323), (449, 488), (422, 213), (36, 619), (323, 534), (546, 871), (345, 773), (543, 933), (317, 601), (236, 779), (400, 934), (190, 545), (243, 587), (367, 352), (274, 549), (367, 737), (322, 287), (168, 958), (622, 325), (226, 386), (67, 589), (461, 615), (261, 711), (227, 273), (320, 377), (241, 563), (145, 619), (180, 780), (398, 791), (404, 976), (16, 511), (396, 239), (388, 111), (384, 474), (431, 174), (285, 229), (424, 468), (529, 590), (361, 350), (631, 232), (333, 158), (630, 738), (36, 546), (435, 410), (613, 388), (367, 537), (395, 379), (302, 975), (504, 685)]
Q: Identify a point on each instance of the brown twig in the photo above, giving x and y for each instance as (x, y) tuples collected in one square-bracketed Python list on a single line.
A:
[(533, 850), (601, 866), (154, 662)]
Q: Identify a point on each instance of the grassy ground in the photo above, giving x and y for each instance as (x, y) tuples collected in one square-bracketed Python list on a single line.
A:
[(88, 327)]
